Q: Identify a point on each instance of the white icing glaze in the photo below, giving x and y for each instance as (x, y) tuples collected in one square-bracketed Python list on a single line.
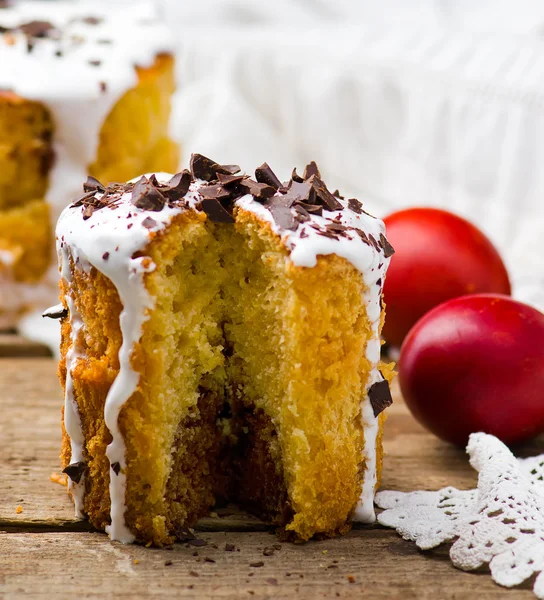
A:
[(79, 94), (72, 421), (106, 232)]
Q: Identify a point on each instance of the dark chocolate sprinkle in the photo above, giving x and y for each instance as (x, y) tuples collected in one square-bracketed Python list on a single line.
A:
[(260, 191), (283, 217), (178, 185), (379, 395), (75, 471), (56, 312), (88, 211), (388, 250), (311, 169), (232, 169), (197, 542), (149, 223), (215, 192), (93, 185), (216, 211), (116, 468), (92, 20), (146, 196), (355, 205), (324, 196), (206, 169), (229, 180), (264, 174), (38, 29), (296, 177), (257, 564)]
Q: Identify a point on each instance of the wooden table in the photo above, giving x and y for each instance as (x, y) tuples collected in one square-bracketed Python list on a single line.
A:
[(45, 552)]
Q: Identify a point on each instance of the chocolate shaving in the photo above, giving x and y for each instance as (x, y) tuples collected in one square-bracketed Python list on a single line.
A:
[(379, 395), (206, 169), (229, 180), (264, 174), (324, 196), (216, 211), (388, 250), (56, 312), (296, 177), (92, 20), (93, 185), (355, 205), (311, 169), (338, 194), (283, 217), (232, 169), (178, 185), (88, 211), (146, 196), (312, 209), (37, 29), (75, 471), (149, 223), (116, 468), (300, 191), (260, 191), (303, 215), (214, 192)]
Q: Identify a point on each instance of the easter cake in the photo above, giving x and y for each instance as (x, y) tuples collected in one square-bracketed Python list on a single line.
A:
[(221, 343), (84, 88)]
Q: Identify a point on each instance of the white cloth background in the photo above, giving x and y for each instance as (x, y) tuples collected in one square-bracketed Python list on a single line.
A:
[(427, 102)]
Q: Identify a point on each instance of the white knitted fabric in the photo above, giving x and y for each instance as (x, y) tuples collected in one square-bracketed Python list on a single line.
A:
[(501, 523)]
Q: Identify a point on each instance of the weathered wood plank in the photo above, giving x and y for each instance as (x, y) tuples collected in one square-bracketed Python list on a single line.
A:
[(15, 346), (30, 438), (365, 563)]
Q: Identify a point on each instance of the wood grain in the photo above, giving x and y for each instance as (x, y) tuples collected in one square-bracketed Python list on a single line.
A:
[(365, 563), (45, 549)]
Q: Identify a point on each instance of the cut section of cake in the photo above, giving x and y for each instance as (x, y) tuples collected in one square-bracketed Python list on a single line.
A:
[(84, 88), (221, 343)]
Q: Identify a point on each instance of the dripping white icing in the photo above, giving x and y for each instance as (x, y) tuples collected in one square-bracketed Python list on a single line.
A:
[(72, 421), (79, 75), (106, 242), (106, 232)]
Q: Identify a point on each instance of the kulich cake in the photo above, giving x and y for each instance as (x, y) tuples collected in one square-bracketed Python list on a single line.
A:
[(84, 88), (221, 342)]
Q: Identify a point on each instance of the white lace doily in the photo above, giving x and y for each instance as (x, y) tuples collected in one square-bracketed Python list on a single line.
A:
[(500, 523)]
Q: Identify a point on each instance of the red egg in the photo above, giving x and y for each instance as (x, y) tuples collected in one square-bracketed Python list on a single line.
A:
[(476, 363), (438, 256)]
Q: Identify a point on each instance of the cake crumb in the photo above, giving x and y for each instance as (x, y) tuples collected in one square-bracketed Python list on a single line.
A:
[(19, 509), (194, 574), (135, 562), (58, 478), (257, 564), (351, 579), (268, 551)]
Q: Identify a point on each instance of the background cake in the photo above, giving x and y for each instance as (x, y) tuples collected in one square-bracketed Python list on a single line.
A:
[(84, 88), (220, 341)]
